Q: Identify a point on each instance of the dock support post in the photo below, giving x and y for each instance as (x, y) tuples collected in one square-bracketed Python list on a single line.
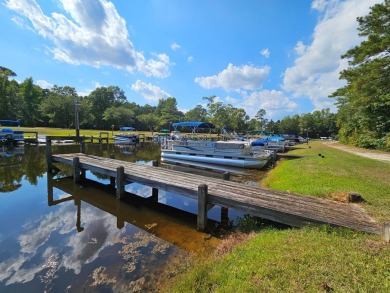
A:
[(120, 182), (202, 207), (112, 179), (76, 170), (49, 161), (225, 211), (155, 190), (386, 231), (82, 145)]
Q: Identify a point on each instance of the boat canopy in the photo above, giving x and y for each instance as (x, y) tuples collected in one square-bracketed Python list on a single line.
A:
[(7, 130), (10, 122), (193, 125), (127, 128)]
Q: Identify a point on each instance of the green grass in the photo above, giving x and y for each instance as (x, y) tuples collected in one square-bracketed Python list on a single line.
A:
[(338, 171), (312, 259), (71, 132), (304, 260)]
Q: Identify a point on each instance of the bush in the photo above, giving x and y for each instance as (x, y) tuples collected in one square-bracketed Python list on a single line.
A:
[(368, 142)]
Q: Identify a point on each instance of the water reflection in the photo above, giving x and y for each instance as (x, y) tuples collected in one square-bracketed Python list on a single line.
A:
[(168, 223), (57, 236)]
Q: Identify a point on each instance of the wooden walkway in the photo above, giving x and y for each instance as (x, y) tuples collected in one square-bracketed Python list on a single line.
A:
[(282, 207)]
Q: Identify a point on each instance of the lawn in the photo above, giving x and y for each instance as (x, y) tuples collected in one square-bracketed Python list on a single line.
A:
[(312, 259)]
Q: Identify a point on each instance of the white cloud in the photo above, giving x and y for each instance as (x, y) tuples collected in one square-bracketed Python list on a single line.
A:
[(300, 48), (235, 78), (265, 52), (315, 73), (275, 103), (319, 5), (94, 34), (44, 84), (175, 46), (149, 91)]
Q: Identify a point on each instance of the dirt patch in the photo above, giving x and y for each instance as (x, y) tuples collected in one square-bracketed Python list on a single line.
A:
[(372, 154), (347, 197)]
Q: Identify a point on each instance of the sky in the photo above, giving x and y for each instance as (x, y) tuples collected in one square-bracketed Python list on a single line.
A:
[(283, 56)]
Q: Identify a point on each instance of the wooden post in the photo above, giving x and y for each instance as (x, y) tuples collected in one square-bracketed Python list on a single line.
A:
[(155, 190), (120, 182), (202, 207), (112, 179), (226, 176), (82, 145), (225, 211), (49, 161), (224, 217), (50, 193), (386, 231), (76, 169)]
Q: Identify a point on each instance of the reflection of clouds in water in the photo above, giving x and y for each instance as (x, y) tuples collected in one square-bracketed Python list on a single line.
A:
[(37, 236), (146, 191), (141, 190), (12, 269), (101, 227)]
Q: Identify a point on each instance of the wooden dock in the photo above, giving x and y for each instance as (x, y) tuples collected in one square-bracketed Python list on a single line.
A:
[(282, 207)]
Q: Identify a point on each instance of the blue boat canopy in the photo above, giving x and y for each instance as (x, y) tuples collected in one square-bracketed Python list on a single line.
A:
[(193, 124), (126, 128), (10, 122), (276, 138), (7, 130)]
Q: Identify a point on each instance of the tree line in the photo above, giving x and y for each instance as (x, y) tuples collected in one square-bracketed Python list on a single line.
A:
[(108, 108)]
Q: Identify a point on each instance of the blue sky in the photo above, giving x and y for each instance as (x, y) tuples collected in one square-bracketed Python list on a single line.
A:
[(279, 55)]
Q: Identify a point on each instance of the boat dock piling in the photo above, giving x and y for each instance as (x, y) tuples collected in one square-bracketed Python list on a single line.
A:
[(283, 207)]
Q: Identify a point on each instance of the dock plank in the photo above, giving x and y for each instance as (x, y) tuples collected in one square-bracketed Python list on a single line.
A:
[(292, 209)]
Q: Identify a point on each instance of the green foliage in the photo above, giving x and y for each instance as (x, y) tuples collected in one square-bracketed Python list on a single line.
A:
[(364, 103), (249, 224), (58, 107)]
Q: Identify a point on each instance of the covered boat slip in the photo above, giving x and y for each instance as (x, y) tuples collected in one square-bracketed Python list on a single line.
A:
[(290, 209)]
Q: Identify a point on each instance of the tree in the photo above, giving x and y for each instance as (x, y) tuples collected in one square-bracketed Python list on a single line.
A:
[(364, 103), (197, 114), (8, 91), (260, 118), (119, 116), (31, 96), (100, 100), (150, 120), (59, 105), (167, 111)]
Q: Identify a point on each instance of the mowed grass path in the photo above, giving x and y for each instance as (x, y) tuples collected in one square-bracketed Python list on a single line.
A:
[(312, 259)]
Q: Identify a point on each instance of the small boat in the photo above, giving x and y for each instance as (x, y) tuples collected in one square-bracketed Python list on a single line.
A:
[(276, 143), (10, 136), (126, 138), (229, 153)]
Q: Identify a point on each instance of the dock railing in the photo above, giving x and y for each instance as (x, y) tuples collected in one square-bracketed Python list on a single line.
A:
[(77, 139)]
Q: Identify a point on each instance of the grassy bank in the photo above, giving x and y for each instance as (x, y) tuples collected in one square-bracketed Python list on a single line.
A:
[(71, 132), (334, 172), (309, 259)]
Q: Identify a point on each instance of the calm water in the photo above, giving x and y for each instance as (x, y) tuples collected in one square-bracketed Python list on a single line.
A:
[(56, 236)]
